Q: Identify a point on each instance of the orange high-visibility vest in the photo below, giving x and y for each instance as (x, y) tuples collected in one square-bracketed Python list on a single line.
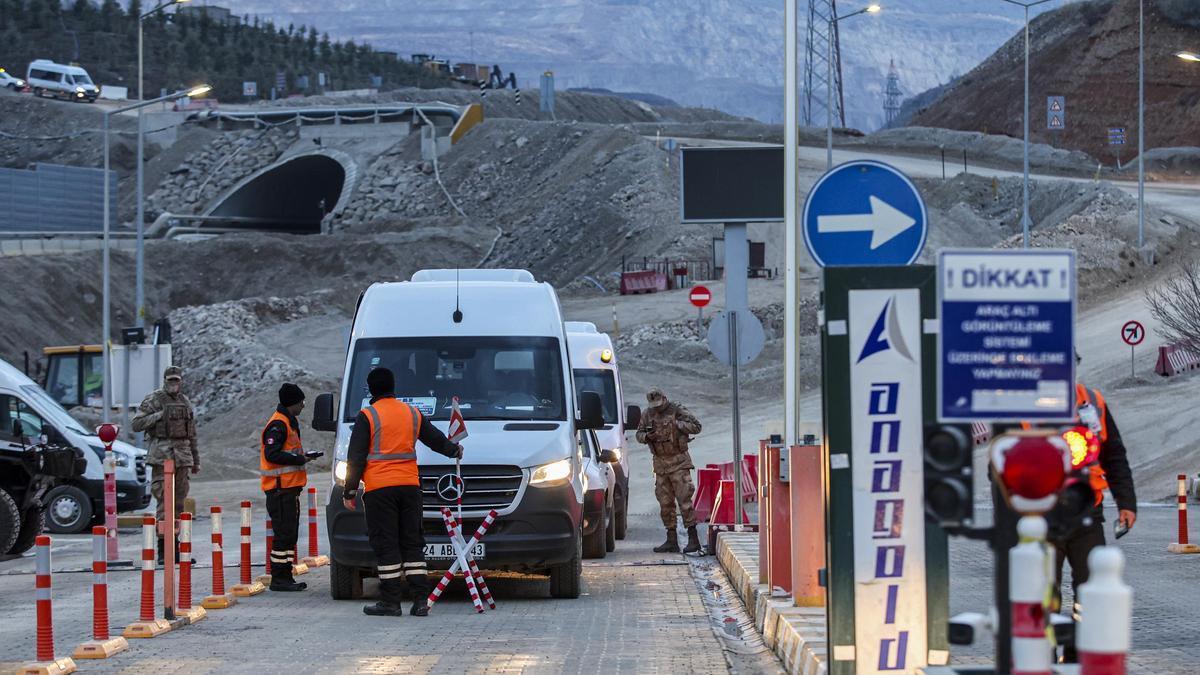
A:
[(282, 475), (392, 459), (1095, 474)]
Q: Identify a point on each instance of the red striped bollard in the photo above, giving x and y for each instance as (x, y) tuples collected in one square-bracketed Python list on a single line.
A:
[(1182, 546), (185, 608), (1031, 651), (101, 646), (1105, 631), (265, 577), (147, 626), (219, 598), (46, 663), (247, 585), (314, 559)]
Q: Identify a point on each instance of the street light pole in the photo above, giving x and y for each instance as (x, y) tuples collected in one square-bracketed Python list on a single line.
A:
[(1141, 126), (833, 21), (106, 385), (791, 390)]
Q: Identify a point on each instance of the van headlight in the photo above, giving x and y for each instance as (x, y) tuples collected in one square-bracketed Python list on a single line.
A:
[(553, 472), (339, 472), (122, 459)]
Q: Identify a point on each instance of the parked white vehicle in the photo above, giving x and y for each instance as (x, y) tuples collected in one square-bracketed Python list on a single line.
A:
[(11, 81), (58, 80), (495, 340), (595, 363)]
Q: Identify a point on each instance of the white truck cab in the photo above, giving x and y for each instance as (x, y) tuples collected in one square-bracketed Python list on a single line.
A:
[(495, 340), (596, 370), (72, 507)]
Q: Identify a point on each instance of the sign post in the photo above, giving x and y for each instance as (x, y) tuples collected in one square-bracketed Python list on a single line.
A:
[(1133, 333), (700, 296)]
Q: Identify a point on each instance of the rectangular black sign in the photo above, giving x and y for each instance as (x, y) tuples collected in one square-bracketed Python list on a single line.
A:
[(731, 185)]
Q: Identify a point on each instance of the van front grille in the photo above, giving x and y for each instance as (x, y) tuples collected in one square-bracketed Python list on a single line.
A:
[(486, 486)]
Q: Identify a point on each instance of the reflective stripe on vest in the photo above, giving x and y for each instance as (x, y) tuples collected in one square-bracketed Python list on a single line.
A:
[(392, 460), (285, 476)]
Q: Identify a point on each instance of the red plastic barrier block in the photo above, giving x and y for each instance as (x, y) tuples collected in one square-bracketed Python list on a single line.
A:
[(708, 481)]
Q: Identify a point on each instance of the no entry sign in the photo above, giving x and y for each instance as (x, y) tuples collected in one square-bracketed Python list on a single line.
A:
[(1133, 333), (700, 296)]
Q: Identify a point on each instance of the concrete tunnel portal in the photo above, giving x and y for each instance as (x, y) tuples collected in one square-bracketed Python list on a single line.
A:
[(292, 196)]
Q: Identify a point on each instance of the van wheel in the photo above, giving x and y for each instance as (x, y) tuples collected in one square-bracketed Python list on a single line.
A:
[(593, 544), (566, 579), (10, 521), (32, 524), (68, 510), (621, 518), (610, 533), (345, 583), (37, 91)]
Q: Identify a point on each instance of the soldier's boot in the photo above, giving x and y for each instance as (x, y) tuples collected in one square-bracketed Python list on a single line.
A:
[(693, 542), (390, 597), (282, 580), (419, 608), (671, 545)]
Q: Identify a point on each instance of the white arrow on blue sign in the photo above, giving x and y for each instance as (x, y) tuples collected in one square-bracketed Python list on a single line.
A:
[(864, 213)]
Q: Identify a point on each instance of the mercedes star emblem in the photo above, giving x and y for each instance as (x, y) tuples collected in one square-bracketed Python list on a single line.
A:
[(449, 487)]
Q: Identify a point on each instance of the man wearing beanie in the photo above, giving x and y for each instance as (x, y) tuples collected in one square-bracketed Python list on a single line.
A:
[(281, 465), (383, 455)]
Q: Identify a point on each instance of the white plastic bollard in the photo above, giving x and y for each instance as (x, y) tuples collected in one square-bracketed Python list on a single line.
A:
[(1027, 583), (1106, 606)]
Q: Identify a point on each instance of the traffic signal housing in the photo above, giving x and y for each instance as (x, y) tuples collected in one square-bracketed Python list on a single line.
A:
[(949, 475)]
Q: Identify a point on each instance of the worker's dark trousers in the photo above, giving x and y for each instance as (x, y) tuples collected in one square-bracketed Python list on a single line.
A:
[(1075, 550), (394, 530), (283, 506)]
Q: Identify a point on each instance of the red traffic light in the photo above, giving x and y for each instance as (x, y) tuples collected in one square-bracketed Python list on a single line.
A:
[(107, 433), (1032, 466)]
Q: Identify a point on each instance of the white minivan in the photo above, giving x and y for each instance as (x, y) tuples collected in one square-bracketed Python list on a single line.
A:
[(59, 80), (495, 340), (77, 504), (595, 363)]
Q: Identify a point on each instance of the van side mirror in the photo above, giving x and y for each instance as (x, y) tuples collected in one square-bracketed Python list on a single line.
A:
[(633, 417), (325, 413), (591, 411), (609, 457)]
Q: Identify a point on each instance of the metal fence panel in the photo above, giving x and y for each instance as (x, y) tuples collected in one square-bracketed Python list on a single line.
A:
[(52, 198)]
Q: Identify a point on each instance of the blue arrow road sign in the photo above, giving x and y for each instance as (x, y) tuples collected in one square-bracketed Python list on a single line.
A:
[(864, 213)]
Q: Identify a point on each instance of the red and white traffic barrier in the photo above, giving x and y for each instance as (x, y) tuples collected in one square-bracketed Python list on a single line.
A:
[(480, 583), (247, 585), (147, 626), (1028, 582), (265, 577), (101, 646), (1175, 359), (1182, 545), (219, 598), (46, 663), (314, 559), (460, 563), (186, 610), (1105, 632)]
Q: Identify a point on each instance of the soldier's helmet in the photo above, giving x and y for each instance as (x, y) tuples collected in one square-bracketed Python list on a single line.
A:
[(173, 373)]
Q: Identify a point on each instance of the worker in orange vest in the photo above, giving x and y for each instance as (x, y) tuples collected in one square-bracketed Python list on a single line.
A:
[(383, 455), (282, 476)]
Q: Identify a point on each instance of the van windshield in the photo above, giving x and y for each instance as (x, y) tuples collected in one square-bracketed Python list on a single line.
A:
[(494, 378), (602, 382), (82, 79), (52, 410)]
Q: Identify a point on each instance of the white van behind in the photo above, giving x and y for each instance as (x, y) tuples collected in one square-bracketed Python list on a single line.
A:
[(596, 369), (59, 80), (495, 340)]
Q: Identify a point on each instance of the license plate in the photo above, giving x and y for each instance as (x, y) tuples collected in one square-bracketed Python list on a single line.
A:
[(446, 551)]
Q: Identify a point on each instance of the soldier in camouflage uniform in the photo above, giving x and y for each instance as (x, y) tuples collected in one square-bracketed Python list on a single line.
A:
[(166, 417), (667, 427)]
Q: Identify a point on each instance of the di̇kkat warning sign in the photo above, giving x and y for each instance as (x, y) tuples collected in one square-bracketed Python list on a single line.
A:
[(1007, 335)]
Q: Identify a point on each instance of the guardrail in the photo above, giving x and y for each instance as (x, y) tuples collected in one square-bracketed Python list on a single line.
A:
[(332, 115)]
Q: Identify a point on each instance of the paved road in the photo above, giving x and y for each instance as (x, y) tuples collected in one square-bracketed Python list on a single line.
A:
[(637, 615)]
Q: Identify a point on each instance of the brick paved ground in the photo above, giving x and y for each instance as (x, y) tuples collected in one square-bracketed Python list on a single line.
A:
[(1166, 633), (634, 617)]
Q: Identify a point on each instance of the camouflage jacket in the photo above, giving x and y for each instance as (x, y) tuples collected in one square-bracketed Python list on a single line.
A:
[(170, 428), (668, 430)]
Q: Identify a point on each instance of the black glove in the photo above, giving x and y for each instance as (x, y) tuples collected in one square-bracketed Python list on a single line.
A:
[(456, 450)]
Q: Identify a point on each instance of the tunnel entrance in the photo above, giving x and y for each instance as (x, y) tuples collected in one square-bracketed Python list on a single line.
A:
[(291, 197)]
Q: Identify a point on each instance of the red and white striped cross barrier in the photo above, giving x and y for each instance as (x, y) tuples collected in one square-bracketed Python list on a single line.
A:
[(460, 562), (1182, 546), (101, 646), (185, 609), (314, 559), (247, 585), (1105, 631), (1028, 582), (147, 626), (219, 598), (480, 583), (265, 577), (46, 663)]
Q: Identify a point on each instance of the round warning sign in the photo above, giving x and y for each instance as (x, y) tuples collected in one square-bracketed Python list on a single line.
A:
[(700, 296), (1133, 333)]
